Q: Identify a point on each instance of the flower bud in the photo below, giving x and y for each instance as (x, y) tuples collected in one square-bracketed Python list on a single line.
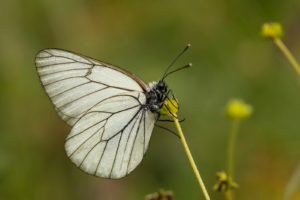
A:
[(272, 30), (237, 109), (170, 107)]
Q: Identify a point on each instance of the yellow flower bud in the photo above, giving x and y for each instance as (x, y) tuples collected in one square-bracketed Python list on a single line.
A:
[(170, 107), (272, 30), (224, 183), (237, 109)]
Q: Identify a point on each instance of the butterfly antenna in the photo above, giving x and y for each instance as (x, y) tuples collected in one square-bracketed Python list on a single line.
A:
[(180, 68), (175, 59)]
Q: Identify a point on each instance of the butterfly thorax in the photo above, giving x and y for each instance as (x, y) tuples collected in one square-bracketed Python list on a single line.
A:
[(156, 96)]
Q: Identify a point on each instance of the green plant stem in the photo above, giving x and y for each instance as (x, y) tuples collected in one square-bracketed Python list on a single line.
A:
[(230, 156), (190, 157), (228, 194), (289, 56), (293, 184), (294, 181)]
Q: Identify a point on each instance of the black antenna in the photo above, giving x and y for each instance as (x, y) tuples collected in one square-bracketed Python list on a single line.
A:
[(176, 58), (180, 68)]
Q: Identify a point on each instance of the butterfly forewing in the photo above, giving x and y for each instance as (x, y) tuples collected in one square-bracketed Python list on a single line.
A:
[(105, 107), (70, 80)]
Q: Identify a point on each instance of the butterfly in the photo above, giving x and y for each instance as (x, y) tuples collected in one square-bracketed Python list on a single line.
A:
[(112, 112)]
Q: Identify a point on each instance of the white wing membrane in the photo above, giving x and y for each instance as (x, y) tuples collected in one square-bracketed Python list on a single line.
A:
[(71, 80), (111, 144), (111, 128)]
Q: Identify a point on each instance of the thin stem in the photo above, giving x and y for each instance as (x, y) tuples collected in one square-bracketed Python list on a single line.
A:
[(190, 157), (228, 195), (287, 54), (292, 185), (230, 155), (294, 181)]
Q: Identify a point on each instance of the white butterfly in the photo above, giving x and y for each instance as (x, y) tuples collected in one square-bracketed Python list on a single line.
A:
[(111, 111)]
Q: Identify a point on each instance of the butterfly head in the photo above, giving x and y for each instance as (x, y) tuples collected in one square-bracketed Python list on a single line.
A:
[(158, 87), (161, 87)]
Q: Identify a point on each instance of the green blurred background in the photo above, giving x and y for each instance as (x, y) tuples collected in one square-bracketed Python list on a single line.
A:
[(229, 58)]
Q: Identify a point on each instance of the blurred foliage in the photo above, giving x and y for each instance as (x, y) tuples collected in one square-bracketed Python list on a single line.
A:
[(229, 59)]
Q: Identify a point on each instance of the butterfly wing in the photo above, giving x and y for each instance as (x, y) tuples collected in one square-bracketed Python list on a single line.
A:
[(104, 105), (112, 138), (76, 83)]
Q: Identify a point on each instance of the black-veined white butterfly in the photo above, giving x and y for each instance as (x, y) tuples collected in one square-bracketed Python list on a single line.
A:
[(111, 111)]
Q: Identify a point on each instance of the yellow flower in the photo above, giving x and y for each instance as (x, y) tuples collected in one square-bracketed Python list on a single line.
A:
[(272, 30), (238, 109), (170, 107)]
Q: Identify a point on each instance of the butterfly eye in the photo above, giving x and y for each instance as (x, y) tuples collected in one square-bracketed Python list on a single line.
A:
[(161, 86)]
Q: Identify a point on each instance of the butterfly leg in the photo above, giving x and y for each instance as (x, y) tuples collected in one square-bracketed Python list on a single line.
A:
[(167, 129), (168, 120)]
